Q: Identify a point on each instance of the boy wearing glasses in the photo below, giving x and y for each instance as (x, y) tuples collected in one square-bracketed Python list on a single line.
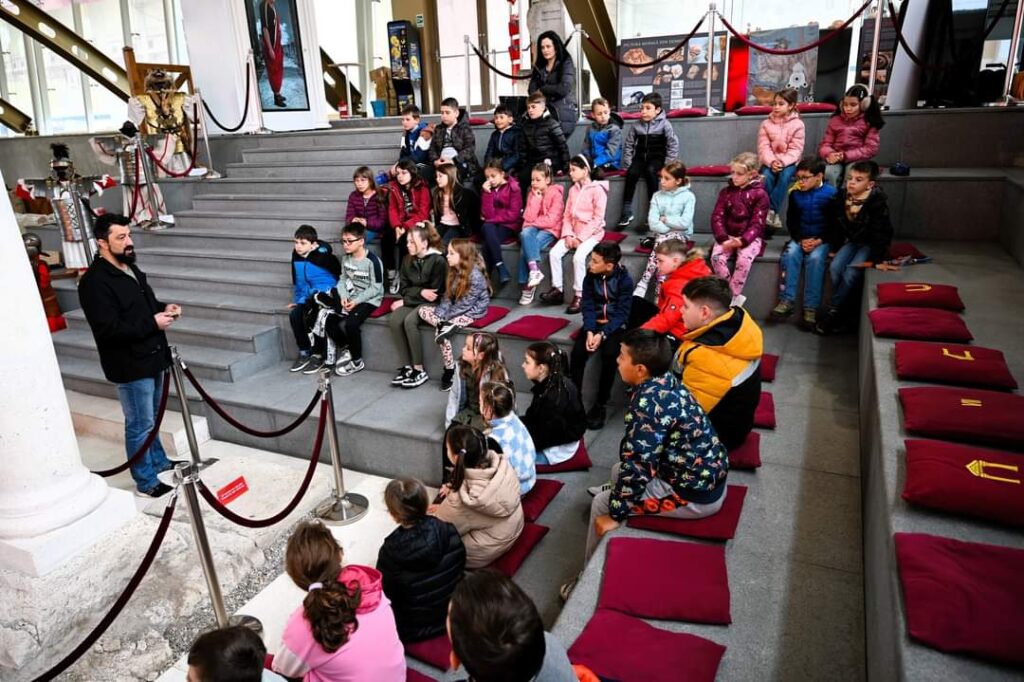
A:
[(807, 248)]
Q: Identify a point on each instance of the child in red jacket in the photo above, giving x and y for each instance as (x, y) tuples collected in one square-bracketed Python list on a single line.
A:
[(678, 265), (408, 204)]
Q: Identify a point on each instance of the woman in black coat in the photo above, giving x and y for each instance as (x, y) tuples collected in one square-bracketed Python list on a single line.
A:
[(554, 74)]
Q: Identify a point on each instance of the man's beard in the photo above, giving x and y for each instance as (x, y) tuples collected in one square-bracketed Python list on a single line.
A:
[(127, 257)]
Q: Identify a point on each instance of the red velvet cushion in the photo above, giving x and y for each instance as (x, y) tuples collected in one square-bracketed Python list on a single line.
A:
[(721, 526), (666, 580), (642, 250), (919, 295), (614, 237), (385, 306), (965, 480), (630, 115), (534, 327), (963, 597), (574, 334), (709, 171), (510, 561), (949, 363), (748, 454), (901, 249), (764, 415), (926, 324), (688, 112), (477, 121), (768, 364), (964, 414), (619, 647), (431, 651), (539, 497), (815, 108), (578, 462), (493, 314), (754, 110), (412, 675), (616, 173)]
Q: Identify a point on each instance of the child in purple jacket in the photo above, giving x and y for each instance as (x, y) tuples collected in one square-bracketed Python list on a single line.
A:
[(738, 223), (502, 210), (366, 204)]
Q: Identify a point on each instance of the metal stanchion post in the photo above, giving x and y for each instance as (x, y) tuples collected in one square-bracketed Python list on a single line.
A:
[(711, 60), (187, 476), (875, 40), (186, 414), (578, 32), (343, 507), (210, 171), (494, 78), (469, 89), (154, 222)]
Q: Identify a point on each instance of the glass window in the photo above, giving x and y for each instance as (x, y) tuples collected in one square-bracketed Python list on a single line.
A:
[(101, 26), (12, 44), (149, 34), (62, 87)]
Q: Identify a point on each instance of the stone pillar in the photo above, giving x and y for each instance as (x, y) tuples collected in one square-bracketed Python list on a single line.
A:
[(51, 507)]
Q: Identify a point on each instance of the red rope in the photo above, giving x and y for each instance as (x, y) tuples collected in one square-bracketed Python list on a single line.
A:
[(659, 60), (496, 69), (149, 439), (212, 500), (796, 50)]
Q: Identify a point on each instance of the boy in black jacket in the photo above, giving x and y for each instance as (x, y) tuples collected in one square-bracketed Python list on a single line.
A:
[(454, 142), (649, 143), (543, 140), (506, 141)]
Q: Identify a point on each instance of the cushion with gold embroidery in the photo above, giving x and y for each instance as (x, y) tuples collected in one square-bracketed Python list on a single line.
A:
[(919, 295), (951, 363), (964, 414)]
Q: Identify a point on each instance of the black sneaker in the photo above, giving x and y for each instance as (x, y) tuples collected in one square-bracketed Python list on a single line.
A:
[(417, 377), (625, 220), (300, 363), (445, 330), (401, 376), (648, 243), (446, 379), (159, 490), (349, 368), (828, 323), (314, 365), (596, 417)]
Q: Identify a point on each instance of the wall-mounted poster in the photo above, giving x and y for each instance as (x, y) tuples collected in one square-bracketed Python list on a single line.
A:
[(679, 79), (277, 46), (769, 73)]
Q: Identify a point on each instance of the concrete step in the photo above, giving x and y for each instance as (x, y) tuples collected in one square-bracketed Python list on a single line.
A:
[(222, 259), (275, 186), (214, 242), (270, 284), (321, 206), (320, 171), (380, 154), (248, 223), (390, 133)]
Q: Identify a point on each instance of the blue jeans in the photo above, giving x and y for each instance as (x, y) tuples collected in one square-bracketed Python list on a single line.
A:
[(140, 399), (533, 240), (793, 257), (777, 185), (845, 278)]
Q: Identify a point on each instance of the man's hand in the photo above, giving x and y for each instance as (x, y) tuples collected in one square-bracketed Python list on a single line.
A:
[(173, 309), (605, 524), (429, 294), (163, 320), (594, 341)]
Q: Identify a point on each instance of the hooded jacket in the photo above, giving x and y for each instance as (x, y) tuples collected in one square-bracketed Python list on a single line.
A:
[(486, 510), (558, 85), (808, 210), (398, 216), (781, 139), (319, 270), (507, 145), (414, 146), (609, 298), (720, 364), (422, 272), (857, 140), (740, 212), (603, 143), (669, 319), (650, 142), (584, 210), (677, 206), (871, 227), (372, 652), (503, 205), (545, 211), (421, 565), (544, 139), (459, 136), (556, 415)]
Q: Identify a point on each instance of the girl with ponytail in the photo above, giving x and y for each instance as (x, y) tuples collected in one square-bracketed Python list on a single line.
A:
[(555, 419)]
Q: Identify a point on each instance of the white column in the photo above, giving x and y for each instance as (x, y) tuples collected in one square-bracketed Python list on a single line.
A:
[(51, 507), (905, 75)]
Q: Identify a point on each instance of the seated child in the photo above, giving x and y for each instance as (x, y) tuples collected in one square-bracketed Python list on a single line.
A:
[(678, 265), (805, 218), (233, 653), (542, 226), (360, 291), (408, 204), (367, 204), (415, 144), (482, 500), (607, 300), (720, 359), (738, 223), (859, 234), (423, 279), (671, 462), (344, 629), (670, 217), (498, 409), (543, 139), (454, 142), (456, 207), (420, 562), (467, 296), (852, 133), (497, 633), (501, 207), (780, 144), (506, 142), (603, 142), (555, 418), (582, 229), (649, 143), (481, 362), (314, 268)]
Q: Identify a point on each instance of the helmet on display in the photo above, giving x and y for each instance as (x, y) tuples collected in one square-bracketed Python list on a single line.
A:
[(61, 164), (158, 79), (33, 244)]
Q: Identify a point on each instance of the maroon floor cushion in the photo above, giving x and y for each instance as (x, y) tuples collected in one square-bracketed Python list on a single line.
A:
[(666, 580), (919, 295), (709, 171), (617, 173), (905, 250), (721, 526), (964, 414), (534, 327), (493, 314), (764, 415), (953, 364), (965, 480), (815, 108), (539, 497), (754, 110), (575, 333), (626, 649), (643, 250), (614, 237), (385, 306), (963, 597), (412, 675), (748, 454), (433, 652), (768, 364), (686, 112), (478, 121), (511, 560), (578, 462), (925, 324)]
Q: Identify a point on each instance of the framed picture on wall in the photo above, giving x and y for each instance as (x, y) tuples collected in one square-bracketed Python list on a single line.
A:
[(277, 46)]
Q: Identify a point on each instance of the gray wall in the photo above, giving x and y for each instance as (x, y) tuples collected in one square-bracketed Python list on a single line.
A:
[(1011, 233)]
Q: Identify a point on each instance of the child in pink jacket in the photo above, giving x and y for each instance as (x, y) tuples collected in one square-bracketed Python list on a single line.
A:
[(852, 133), (780, 144), (582, 229), (345, 630), (542, 226)]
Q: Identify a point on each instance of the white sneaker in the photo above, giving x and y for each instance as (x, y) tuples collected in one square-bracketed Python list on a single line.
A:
[(738, 300), (770, 218), (536, 277), (527, 296), (596, 490), (344, 357), (641, 290)]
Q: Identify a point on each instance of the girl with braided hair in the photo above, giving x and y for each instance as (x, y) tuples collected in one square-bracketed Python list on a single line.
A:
[(555, 419)]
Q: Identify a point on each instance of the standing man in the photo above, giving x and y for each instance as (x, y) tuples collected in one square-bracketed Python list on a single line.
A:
[(128, 323)]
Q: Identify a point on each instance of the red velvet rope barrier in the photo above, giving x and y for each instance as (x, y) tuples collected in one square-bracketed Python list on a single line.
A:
[(245, 110), (212, 500), (654, 62), (242, 427), (195, 148), (496, 69), (897, 23), (149, 439), (115, 610), (796, 50)]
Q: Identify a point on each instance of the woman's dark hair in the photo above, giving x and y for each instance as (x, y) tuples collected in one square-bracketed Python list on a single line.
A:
[(406, 500), (231, 654), (470, 446), (555, 359), (313, 557), (872, 112), (560, 52)]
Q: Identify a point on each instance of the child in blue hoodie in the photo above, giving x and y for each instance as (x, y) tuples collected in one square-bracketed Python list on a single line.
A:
[(670, 217), (314, 268), (415, 143), (603, 143)]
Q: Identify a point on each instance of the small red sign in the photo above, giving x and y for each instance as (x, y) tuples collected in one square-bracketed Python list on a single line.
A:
[(233, 490)]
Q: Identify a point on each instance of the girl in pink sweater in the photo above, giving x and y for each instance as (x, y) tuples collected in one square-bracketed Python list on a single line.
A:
[(852, 133), (780, 144), (542, 226), (345, 630), (582, 229)]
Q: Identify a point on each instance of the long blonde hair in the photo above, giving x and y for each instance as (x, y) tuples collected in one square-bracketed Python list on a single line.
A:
[(460, 276)]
